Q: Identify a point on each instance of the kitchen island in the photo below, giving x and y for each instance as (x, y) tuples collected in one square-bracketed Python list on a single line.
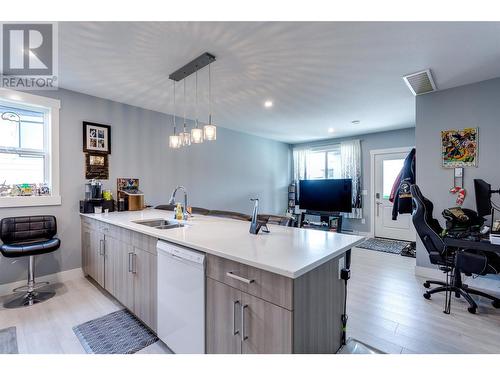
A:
[(287, 282)]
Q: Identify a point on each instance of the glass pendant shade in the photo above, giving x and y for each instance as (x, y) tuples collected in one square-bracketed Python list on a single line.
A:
[(185, 137), (174, 141), (197, 135), (210, 132)]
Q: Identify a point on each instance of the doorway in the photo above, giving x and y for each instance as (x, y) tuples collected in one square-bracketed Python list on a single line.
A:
[(386, 165)]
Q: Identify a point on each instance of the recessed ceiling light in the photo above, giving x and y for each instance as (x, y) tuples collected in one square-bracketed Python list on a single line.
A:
[(355, 122), (268, 104), (331, 130)]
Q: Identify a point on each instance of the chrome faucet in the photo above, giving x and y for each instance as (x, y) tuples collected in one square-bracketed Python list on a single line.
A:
[(172, 201), (255, 225)]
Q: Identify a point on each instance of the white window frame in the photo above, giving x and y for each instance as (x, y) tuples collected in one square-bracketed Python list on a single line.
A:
[(325, 149), (51, 107)]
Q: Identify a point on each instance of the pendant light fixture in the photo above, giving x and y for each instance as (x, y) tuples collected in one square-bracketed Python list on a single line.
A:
[(210, 130), (174, 140), (185, 135), (196, 132)]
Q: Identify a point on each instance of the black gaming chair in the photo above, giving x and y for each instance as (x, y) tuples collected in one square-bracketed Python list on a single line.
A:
[(429, 230), (447, 258)]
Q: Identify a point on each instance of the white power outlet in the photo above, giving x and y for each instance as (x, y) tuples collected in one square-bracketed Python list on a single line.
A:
[(341, 266), (364, 192), (363, 221)]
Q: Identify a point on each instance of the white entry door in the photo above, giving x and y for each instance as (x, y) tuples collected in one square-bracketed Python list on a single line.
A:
[(386, 169)]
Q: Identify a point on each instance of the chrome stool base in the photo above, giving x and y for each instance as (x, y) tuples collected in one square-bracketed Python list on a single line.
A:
[(26, 288), (31, 295), (28, 299)]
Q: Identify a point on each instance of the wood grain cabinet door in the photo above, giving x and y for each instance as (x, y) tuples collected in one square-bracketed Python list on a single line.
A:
[(223, 316), (266, 328), (86, 233), (145, 298), (119, 280), (95, 256)]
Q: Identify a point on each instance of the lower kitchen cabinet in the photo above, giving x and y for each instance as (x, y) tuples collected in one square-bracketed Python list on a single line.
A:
[(223, 318), (145, 298), (115, 261), (93, 253), (265, 328), (240, 323), (119, 277), (250, 310)]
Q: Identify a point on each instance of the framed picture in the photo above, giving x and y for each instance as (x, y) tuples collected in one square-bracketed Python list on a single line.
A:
[(96, 166), (459, 148), (96, 138)]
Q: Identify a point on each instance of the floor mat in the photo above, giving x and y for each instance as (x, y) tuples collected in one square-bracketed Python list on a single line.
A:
[(117, 333), (8, 341), (384, 245)]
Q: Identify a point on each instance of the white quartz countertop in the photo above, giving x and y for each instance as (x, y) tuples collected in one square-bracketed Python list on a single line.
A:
[(290, 252)]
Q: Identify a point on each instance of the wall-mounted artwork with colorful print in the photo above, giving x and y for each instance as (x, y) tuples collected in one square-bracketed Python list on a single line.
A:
[(459, 148)]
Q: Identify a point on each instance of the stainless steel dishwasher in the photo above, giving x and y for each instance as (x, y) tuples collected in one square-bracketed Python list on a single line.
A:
[(181, 298)]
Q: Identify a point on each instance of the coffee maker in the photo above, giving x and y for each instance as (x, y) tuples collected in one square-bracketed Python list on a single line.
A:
[(94, 198)]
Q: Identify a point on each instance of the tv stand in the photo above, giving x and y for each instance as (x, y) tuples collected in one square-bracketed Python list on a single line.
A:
[(331, 221)]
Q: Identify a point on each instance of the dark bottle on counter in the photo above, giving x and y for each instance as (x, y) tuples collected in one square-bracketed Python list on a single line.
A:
[(121, 204)]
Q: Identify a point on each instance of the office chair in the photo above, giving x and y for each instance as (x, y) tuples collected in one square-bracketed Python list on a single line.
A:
[(447, 258)]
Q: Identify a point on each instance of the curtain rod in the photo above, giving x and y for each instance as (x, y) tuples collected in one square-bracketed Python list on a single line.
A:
[(322, 143)]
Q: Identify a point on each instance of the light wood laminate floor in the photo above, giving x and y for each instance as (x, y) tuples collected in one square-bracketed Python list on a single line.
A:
[(386, 310), (385, 306), (47, 327)]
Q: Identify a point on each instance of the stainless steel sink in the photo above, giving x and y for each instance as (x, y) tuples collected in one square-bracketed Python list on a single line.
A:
[(160, 223)]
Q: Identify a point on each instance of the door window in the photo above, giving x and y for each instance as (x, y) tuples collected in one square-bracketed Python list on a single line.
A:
[(390, 171)]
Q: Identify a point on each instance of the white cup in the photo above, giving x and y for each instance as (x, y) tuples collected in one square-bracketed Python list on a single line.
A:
[(97, 209)]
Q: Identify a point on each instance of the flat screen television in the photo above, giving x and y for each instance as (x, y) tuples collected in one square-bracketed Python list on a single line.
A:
[(333, 195)]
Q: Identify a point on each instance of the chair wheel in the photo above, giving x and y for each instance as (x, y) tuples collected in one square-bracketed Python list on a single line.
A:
[(496, 304), (427, 295), (472, 310), (427, 285)]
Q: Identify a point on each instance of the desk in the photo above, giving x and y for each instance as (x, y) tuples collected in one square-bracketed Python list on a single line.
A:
[(464, 243)]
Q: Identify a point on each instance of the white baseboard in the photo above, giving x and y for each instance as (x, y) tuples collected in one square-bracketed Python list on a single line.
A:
[(58, 277), (483, 282)]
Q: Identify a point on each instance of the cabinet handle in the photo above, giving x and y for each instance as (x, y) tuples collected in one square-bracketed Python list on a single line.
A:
[(130, 255), (235, 331), (239, 278), (101, 245), (243, 334), (134, 258)]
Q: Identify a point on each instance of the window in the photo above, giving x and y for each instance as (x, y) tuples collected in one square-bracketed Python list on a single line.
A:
[(390, 171), (325, 163), (29, 152)]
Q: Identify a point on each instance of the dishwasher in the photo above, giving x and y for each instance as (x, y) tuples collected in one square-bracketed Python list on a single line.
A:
[(181, 298)]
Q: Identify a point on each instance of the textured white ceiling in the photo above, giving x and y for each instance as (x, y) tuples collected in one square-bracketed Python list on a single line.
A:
[(319, 75)]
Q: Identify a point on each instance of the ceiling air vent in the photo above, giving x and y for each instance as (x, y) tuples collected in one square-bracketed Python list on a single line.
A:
[(420, 83)]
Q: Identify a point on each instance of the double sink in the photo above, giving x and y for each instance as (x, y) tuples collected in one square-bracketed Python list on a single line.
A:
[(160, 223)]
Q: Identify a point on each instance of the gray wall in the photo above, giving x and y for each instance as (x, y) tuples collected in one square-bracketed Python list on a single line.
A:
[(466, 106), (222, 174), (373, 141)]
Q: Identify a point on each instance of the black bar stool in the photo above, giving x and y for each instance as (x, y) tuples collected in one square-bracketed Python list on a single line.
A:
[(28, 236)]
